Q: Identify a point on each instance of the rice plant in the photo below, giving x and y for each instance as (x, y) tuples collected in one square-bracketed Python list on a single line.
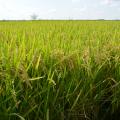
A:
[(67, 70)]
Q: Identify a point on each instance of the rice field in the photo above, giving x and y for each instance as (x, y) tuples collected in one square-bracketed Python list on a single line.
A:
[(59, 70)]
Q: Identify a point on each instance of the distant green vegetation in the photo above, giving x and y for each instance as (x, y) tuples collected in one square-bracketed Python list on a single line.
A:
[(59, 70)]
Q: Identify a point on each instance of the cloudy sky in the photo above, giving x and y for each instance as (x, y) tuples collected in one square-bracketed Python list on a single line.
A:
[(60, 9)]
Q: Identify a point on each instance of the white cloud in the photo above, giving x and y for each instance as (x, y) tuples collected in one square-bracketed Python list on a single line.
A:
[(48, 13), (52, 10), (75, 1), (83, 9), (110, 2), (80, 9)]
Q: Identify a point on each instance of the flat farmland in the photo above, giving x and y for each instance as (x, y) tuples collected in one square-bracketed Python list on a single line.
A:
[(59, 70)]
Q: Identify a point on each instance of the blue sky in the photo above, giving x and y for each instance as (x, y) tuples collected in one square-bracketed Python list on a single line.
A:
[(60, 9)]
